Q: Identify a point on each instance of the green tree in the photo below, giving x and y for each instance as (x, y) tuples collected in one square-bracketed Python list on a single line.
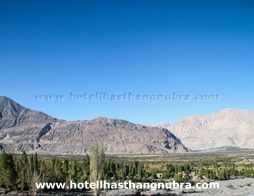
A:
[(178, 178), (35, 162), (8, 175), (22, 174), (97, 160)]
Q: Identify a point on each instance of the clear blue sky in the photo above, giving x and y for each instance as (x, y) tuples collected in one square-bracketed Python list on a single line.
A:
[(143, 47)]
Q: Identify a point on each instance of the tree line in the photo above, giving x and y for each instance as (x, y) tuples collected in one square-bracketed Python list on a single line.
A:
[(21, 173)]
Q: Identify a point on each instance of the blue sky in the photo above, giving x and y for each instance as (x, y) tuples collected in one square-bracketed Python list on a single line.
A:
[(143, 47)]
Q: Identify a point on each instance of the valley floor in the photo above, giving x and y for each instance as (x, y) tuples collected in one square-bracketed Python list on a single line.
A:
[(236, 187)]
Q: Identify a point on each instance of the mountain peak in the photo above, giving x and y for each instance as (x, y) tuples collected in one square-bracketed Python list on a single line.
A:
[(7, 102), (12, 114)]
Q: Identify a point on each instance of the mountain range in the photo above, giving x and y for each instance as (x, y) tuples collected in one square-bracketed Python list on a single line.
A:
[(228, 127), (33, 131), (22, 129)]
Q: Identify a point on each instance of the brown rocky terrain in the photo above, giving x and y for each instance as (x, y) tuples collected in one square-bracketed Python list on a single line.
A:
[(33, 131)]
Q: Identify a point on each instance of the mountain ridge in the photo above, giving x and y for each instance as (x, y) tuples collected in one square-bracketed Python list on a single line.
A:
[(33, 131), (228, 127)]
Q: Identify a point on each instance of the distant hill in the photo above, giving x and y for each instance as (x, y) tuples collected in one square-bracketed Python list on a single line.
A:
[(33, 131), (228, 127)]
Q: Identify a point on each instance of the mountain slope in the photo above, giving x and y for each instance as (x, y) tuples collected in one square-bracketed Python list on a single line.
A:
[(24, 129), (12, 114), (229, 127)]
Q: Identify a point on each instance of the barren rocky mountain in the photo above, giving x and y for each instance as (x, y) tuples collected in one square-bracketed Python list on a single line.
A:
[(12, 114), (33, 131), (229, 127)]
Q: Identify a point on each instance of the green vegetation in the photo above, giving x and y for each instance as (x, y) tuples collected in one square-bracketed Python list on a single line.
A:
[(97, 160), (21, 173), (244, 158), (8, 173)]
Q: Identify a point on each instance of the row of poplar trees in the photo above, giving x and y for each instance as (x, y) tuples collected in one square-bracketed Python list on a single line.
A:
[(21, 173)]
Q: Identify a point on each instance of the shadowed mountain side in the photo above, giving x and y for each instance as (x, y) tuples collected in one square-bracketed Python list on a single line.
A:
[(32, 131)]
